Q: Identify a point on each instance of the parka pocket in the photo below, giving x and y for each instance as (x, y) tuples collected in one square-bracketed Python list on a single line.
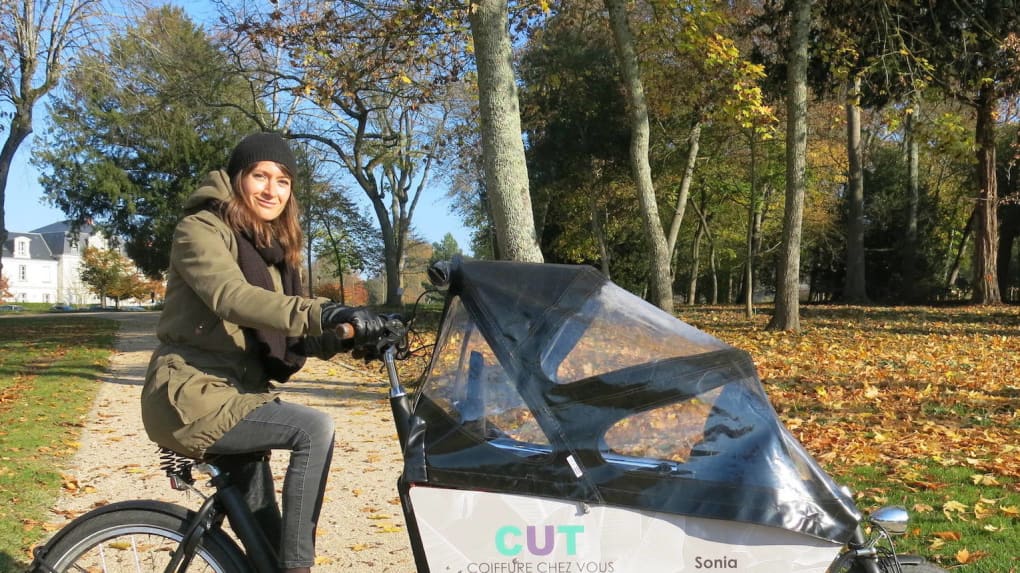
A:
[(194, 393)]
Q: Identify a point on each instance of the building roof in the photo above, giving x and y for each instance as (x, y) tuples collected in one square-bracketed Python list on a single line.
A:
[(49, 241), (38, 247)]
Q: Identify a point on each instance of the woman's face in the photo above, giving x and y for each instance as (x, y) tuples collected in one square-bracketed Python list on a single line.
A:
[(266, 187)]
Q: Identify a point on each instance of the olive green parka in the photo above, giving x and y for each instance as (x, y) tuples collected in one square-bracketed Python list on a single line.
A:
[(203, 377)]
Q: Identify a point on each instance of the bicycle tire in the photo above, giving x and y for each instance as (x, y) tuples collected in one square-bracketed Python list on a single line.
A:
[(137, 536), (922, 567), (907, 564)]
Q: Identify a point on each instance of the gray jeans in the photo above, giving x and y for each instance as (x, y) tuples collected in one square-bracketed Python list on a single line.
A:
[(308, 434)]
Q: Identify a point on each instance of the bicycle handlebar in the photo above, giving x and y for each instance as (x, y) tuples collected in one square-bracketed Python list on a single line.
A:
[(394, 333), (345, 331)]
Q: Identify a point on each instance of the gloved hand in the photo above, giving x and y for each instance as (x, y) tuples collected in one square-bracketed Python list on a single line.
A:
[(326, 345), (368, 326)]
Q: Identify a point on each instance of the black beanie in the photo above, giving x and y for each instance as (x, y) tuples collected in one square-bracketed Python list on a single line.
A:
[(261, 147)]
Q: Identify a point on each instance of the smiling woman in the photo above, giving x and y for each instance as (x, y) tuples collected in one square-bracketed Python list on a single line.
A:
[(235, 321)]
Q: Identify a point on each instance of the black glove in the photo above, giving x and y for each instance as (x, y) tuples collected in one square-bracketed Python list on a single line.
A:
[(368, 326), (326, 345)]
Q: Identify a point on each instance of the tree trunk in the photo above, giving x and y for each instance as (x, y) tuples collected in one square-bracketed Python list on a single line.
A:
[(787, 312), (692, 285), (693, 140), (986, 232), (662, 288), (714, 269), (21, 127), (913, 202), (753, 226), (854, 286), (506, 174)]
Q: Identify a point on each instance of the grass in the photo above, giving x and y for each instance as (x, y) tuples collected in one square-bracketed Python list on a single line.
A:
[(49, 368)]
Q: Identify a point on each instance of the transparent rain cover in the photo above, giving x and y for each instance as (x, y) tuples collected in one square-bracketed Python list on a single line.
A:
[(551, 380)]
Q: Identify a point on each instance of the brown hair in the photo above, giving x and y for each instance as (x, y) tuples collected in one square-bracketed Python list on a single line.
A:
[(286, 228)]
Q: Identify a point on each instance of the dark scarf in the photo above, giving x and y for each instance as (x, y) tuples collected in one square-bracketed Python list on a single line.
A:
[(281, 355)]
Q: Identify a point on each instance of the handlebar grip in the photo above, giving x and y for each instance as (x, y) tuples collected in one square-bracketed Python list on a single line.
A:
[(345, 331)]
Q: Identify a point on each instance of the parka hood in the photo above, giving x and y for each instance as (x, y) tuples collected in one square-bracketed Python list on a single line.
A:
[(215, 186)]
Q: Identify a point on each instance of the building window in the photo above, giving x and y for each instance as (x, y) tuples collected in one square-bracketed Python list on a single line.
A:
[(22, 273), (21, 247), (46, 297)]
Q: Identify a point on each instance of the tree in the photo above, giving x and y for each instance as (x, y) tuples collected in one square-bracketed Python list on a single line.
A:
[(106, 272), (787, 312), (966, 45), (5, 287), (506, 173), (341, 238), (135, 130), (662, 288), (36, 39), (444, 250)]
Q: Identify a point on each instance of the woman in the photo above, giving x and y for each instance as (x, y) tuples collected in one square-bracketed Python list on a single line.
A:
[(233, 323)]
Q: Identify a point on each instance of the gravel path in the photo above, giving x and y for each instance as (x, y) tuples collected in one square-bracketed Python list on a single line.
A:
[(361, 528)]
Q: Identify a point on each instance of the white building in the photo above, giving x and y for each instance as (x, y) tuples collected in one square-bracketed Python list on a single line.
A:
[(44, 265)]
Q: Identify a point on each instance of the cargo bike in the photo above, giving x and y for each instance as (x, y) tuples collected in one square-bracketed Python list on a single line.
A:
[(563, 425)]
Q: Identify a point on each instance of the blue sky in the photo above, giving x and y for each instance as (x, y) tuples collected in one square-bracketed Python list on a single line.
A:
[(25, 209)]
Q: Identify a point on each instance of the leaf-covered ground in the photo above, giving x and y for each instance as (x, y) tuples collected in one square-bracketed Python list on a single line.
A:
[(916, 406)]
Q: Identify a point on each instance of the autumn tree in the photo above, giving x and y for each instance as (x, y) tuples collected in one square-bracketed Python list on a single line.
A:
[(130, 285), (105, 272), (369, 91), (37, 38), (5, 288)]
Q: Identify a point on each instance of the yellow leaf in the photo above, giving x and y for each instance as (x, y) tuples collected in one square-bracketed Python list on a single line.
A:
[(963, 556), (954, 506), (984, 479)]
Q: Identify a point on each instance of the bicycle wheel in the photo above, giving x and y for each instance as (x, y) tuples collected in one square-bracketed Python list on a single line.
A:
[(138, 537)]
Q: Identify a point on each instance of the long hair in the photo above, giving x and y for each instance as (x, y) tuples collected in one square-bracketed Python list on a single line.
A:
[(286, 229)]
